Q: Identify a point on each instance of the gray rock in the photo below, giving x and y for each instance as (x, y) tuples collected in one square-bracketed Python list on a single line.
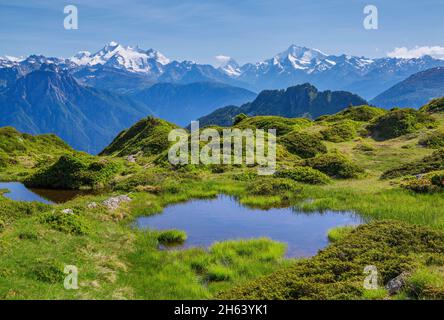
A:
[(92, 205), (396, 284), (114, 202), (131, 158), (68, 211)]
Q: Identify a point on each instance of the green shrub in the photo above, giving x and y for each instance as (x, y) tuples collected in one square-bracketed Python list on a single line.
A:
[(239, 118), (426, 283), (422, 185), (336, 272), (74, 172), (364, 147), (304, 175), (399, 122), (171, 236), (280, 124), (434, 106), (359, 113), (48, 270), (303, 144), (65, 222), (434, 140), (270, 186), (340, 131), (434, 162), (438, 180), (334, 165)]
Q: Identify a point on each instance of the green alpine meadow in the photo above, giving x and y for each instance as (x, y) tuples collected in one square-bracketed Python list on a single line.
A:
[(385, 166)]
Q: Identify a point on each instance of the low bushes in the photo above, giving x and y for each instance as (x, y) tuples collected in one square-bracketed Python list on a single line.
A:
[(281, 124), (335, 165), (304, 175), (434, 140), (270, 186), (337, 272), (436, 105), (399, 122), (303, 144), (425, 184), (340, 131), (360, 113), (65, 222), (74, 172), (434, 162)]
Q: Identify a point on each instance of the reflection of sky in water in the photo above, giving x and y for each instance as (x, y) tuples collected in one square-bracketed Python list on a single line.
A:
[(17, 191), (207, 221)]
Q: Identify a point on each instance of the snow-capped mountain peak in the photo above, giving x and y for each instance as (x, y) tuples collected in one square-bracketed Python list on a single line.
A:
[(230, 67), (130, 58)]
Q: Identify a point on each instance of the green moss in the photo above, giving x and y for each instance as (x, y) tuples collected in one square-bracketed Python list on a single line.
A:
[(340, 131), (337, 272), (75, 172), (304, 175), (399, 122), (335, 165), (303, 144), (434, 162), (171, 236)]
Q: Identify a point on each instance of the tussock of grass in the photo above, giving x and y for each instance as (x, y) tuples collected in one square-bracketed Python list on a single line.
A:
[(339, 233)]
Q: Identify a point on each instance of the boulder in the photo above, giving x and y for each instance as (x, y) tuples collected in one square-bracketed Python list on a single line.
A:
[(114, 202)]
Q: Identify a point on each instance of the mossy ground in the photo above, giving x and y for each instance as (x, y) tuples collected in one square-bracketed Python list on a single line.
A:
[(116, 261)]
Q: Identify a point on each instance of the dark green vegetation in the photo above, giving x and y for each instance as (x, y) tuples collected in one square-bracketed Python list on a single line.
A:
[(434, 106), (298, 101), (399, 122), (337, 272), (340, 131), (117, 261), (149, 136), (75, 172), (302, 144), (335, 165), (433, 162), (434, 140)]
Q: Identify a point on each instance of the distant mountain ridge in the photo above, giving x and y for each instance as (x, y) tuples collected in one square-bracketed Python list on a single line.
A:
[(141, 68), (182, 103), (50, 100), (298, 101), (415, 91)]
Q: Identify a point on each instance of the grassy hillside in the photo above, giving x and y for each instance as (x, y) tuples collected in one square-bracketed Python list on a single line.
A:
[(22, 153), (394, 182)]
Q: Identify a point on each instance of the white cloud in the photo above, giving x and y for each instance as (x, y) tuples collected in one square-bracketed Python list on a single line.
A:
[(416, 52), (221, 60)]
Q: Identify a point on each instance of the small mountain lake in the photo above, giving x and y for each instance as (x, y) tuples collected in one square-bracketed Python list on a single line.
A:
[(18, 192), (224, 218)]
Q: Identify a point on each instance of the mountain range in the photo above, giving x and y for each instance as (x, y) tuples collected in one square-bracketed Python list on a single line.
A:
[(182, 103), (49, 100), (298, 101), (123, 68), (415, 91)]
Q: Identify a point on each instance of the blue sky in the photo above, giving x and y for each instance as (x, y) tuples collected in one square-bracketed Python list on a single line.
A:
[(247, 30)]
